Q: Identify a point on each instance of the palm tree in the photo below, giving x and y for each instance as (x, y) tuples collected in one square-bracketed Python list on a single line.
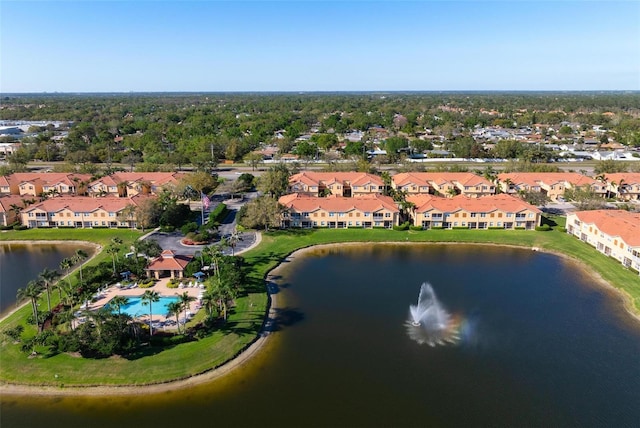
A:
[(31, 291), (118, 302), (48, 276), (16, 210), (174, 308), (233, 240), (148, 298), (66, 318), (113, 250), (208, 301), (116, 241), (214, 252), (222, 293), (66, 264), (185, 299), (79, 257)]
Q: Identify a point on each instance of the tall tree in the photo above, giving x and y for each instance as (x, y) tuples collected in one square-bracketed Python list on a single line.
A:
[(48, 276), (185, 301), (148, 298), (79, 257), (275, 181), (32, 292), (66, 264), (118, 302), (175, 308)]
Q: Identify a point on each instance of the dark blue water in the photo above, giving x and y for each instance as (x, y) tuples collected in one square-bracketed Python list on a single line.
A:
[(21, 263), (542, 346)]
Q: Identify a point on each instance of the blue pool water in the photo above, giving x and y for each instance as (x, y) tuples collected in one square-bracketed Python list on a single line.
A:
[(135, 308)]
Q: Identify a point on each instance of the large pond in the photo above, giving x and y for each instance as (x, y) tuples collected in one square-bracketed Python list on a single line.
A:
[(540, 344), (22, 262)]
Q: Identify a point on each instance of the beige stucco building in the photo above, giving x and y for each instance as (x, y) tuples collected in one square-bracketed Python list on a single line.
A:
[(498, 211), (446, 184), (339, 212), (615, 233), (345, 184), (82, 212), (552, 184)]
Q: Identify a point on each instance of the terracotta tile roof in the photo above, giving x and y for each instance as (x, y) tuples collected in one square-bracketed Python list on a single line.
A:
[(48, 178), (369, 203), (424, 178), (106, 180), (616, 223), (85, 204), (354, 178), (4, 181), (502, 202), (8, 200), (168, 260), (158, 178), (628, 177), (547, 178)]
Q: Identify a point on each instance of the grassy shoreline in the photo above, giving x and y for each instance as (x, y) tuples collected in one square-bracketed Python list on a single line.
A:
[(156, 366)]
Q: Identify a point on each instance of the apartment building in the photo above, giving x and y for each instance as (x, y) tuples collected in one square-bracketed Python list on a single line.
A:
[(552, 184), (447, 184), (82, 212), (623, 185), (615, 233), (10, 207), (345, 184), (338, 211), (43, 183), (497, 211), (128, 184)]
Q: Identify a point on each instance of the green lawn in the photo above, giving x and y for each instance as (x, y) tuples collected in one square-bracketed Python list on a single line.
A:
[(159, 365)]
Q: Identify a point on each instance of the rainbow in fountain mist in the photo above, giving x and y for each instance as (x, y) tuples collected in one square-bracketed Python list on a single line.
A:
[(429, 322)]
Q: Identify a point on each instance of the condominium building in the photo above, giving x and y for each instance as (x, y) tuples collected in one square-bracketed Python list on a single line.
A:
[(339, 212), (82, 212), (446, 184), (552, 184), (498, 211), (623, 185), (615, 233), (345, 184)]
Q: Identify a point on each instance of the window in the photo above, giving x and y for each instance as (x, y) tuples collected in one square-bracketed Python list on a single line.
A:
[(387, 215)]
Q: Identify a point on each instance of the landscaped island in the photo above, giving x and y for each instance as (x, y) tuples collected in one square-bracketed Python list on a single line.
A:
[(154, 366)]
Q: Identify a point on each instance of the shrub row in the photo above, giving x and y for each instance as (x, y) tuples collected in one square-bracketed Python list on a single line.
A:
[(218, 214)]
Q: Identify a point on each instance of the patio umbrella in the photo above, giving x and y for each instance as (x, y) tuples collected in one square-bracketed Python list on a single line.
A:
[(198, 275)]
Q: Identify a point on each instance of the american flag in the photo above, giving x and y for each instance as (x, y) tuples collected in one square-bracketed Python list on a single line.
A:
[(206, 202)]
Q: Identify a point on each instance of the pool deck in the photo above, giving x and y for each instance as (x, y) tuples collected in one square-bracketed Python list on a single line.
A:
[(159, 321)]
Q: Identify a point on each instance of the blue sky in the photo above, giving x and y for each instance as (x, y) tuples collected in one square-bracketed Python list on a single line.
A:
[(121, 46)]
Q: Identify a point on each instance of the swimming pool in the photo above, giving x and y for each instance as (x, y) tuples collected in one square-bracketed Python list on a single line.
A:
[(135, 308)]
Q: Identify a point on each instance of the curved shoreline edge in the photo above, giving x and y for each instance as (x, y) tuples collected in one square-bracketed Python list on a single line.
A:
[(97, 248), (265, 332)]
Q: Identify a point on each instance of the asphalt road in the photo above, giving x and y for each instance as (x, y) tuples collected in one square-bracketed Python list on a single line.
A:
[(172, 240)]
